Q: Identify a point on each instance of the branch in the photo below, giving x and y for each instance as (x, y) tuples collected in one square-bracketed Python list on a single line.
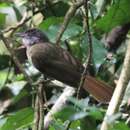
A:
[(67, 19), (119, 90), (116, 36), (39, 110), (90, 49), (20, 23), (15, 59), (60, 103)]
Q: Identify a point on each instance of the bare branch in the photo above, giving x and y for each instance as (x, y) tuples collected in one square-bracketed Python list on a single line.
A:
[(90, 49), (67, 19), (60, 103), (19, 24), (119, 90), (39, 111)]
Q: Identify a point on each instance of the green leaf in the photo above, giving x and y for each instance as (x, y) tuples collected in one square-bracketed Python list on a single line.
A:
[(3, 49), (21, 95), (19, 77), (113, 118), (84, 106), (70, 113), (99, 51), (75, 48), (50, 21), (17, 12), (59, 9), (20, 2), (3, 4), (75, 124), (20, 119), (118, 14), (17, 86), (95, 113), (120, 126), (81, 104), (2, 19), (57, 125), (3, 77), (4, 61), (71, 31), (88, 123)]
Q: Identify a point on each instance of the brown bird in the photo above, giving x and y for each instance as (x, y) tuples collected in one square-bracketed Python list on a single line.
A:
[(59, 64)]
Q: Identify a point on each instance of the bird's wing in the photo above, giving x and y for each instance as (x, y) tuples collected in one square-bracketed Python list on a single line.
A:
[(61, 71)]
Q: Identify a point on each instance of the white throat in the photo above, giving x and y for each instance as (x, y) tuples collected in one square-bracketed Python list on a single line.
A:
[(29, 41)]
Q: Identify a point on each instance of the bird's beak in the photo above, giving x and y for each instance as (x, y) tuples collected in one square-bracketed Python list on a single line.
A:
[(21, 34)]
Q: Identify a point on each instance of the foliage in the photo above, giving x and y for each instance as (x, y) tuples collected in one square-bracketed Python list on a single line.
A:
[(13, 85)]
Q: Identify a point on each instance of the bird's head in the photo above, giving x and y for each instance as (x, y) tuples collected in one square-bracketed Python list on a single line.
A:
[(32, 36)]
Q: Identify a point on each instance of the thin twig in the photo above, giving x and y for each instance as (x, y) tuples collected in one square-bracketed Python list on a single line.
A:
[(119, 90), (67, 19), (20, 23), (39, 111), (90, 49), (36, 114), (41, 104)]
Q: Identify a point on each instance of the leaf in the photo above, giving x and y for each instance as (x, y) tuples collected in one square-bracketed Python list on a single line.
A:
[(120, 126), (19, 97), (17, 12), (2, 19), (59, 9), (4, 61), (78, 115), (19, 77), (20, 2), (99, 51), (95, 113), (3, 76), (75, 124), (50, 21), (3, 49), (57, 125), (22, 118), (3, 4), (100, 6), (113, 118), (70, 113), (82, 104), (88, 123), (118, 14), (71, 31), (17, 86)]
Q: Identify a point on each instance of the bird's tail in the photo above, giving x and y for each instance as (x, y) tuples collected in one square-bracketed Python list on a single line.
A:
[(99, 90)]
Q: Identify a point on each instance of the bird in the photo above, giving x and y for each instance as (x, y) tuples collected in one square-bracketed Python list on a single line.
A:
[(57, 63)]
